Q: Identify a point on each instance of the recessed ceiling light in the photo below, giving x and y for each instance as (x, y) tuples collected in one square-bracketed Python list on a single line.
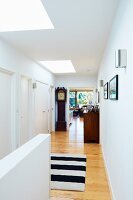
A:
[(59, 66), (21, 15)]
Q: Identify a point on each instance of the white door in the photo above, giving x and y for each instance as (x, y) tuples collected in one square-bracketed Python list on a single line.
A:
[(25, 109), (5, 113), (41, 108)]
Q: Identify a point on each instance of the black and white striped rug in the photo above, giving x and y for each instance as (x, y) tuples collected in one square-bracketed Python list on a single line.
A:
[(68, 172)]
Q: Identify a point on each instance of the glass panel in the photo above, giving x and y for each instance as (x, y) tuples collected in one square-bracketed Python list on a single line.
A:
[(72, 100), (84, 98)]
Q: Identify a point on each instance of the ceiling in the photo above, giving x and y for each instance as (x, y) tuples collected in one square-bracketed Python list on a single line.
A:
[(81, 31)]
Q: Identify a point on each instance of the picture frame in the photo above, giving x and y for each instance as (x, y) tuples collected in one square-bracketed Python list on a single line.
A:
[(113, 88), (106, 91)]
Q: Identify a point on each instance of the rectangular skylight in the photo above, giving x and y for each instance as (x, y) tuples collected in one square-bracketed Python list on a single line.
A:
[(21, 15), (59, 66)]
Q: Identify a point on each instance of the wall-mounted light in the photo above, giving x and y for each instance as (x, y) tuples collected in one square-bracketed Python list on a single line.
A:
[(101, 83), (96, 90), (121, 58), (34, 85)]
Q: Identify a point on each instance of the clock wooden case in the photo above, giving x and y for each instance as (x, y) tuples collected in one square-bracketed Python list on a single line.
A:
[(60, 94)]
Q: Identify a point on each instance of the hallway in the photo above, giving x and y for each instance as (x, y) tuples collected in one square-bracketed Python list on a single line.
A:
[(96, 180)]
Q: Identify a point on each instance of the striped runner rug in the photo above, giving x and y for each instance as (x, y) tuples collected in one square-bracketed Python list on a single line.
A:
[(68, 172)]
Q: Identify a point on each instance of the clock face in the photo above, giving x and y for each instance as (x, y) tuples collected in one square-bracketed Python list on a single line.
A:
[(61, 96)]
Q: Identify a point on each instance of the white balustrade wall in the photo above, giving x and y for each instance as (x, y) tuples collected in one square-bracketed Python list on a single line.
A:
[(25, 173)]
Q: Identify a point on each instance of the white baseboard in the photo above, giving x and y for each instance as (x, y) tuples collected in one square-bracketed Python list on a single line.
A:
[(108, 177)]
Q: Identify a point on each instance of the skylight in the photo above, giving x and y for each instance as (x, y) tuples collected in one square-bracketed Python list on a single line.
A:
[(59, 66), (21, 15)]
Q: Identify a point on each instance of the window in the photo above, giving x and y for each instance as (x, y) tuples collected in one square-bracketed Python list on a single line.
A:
[(72, 99), (80, 98), (84, 98)]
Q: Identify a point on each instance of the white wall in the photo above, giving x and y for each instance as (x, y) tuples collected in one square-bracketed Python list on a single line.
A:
[(5, 113), (75, 81), (13, 60), (116, 116), (25, 173)]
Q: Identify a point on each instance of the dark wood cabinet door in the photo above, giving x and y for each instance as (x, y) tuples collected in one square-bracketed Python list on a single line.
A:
[(91, 127)]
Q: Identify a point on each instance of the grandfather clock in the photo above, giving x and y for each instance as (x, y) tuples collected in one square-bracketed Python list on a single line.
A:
[(60, 94)]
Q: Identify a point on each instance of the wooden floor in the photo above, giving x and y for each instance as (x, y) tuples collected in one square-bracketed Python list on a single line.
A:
[(96, 181)]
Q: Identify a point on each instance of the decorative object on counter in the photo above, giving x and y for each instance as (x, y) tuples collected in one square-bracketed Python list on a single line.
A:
[(60, 94), (85, 109), (113, 88), (96, 108), (121, 58), (68, 171), (106, 91)]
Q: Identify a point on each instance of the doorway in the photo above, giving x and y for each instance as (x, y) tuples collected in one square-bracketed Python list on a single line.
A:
[(79, 100), (7, 112)]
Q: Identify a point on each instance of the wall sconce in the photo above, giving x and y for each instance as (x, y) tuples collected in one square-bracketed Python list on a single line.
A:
[(101, 83), (121, 58), (34, 85), (96, 90)]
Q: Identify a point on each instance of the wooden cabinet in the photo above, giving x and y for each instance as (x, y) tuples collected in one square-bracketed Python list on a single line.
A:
[(91, 127)]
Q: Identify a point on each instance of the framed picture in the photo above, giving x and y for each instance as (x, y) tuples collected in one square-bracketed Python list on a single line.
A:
[(113, 88), (106, 91)]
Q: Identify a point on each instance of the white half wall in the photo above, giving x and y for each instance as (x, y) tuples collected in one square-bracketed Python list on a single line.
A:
[(25, 173), (116, 116)]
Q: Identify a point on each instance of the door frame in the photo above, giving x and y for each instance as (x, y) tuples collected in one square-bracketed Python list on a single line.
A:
[(52, 109), (13, 75)]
